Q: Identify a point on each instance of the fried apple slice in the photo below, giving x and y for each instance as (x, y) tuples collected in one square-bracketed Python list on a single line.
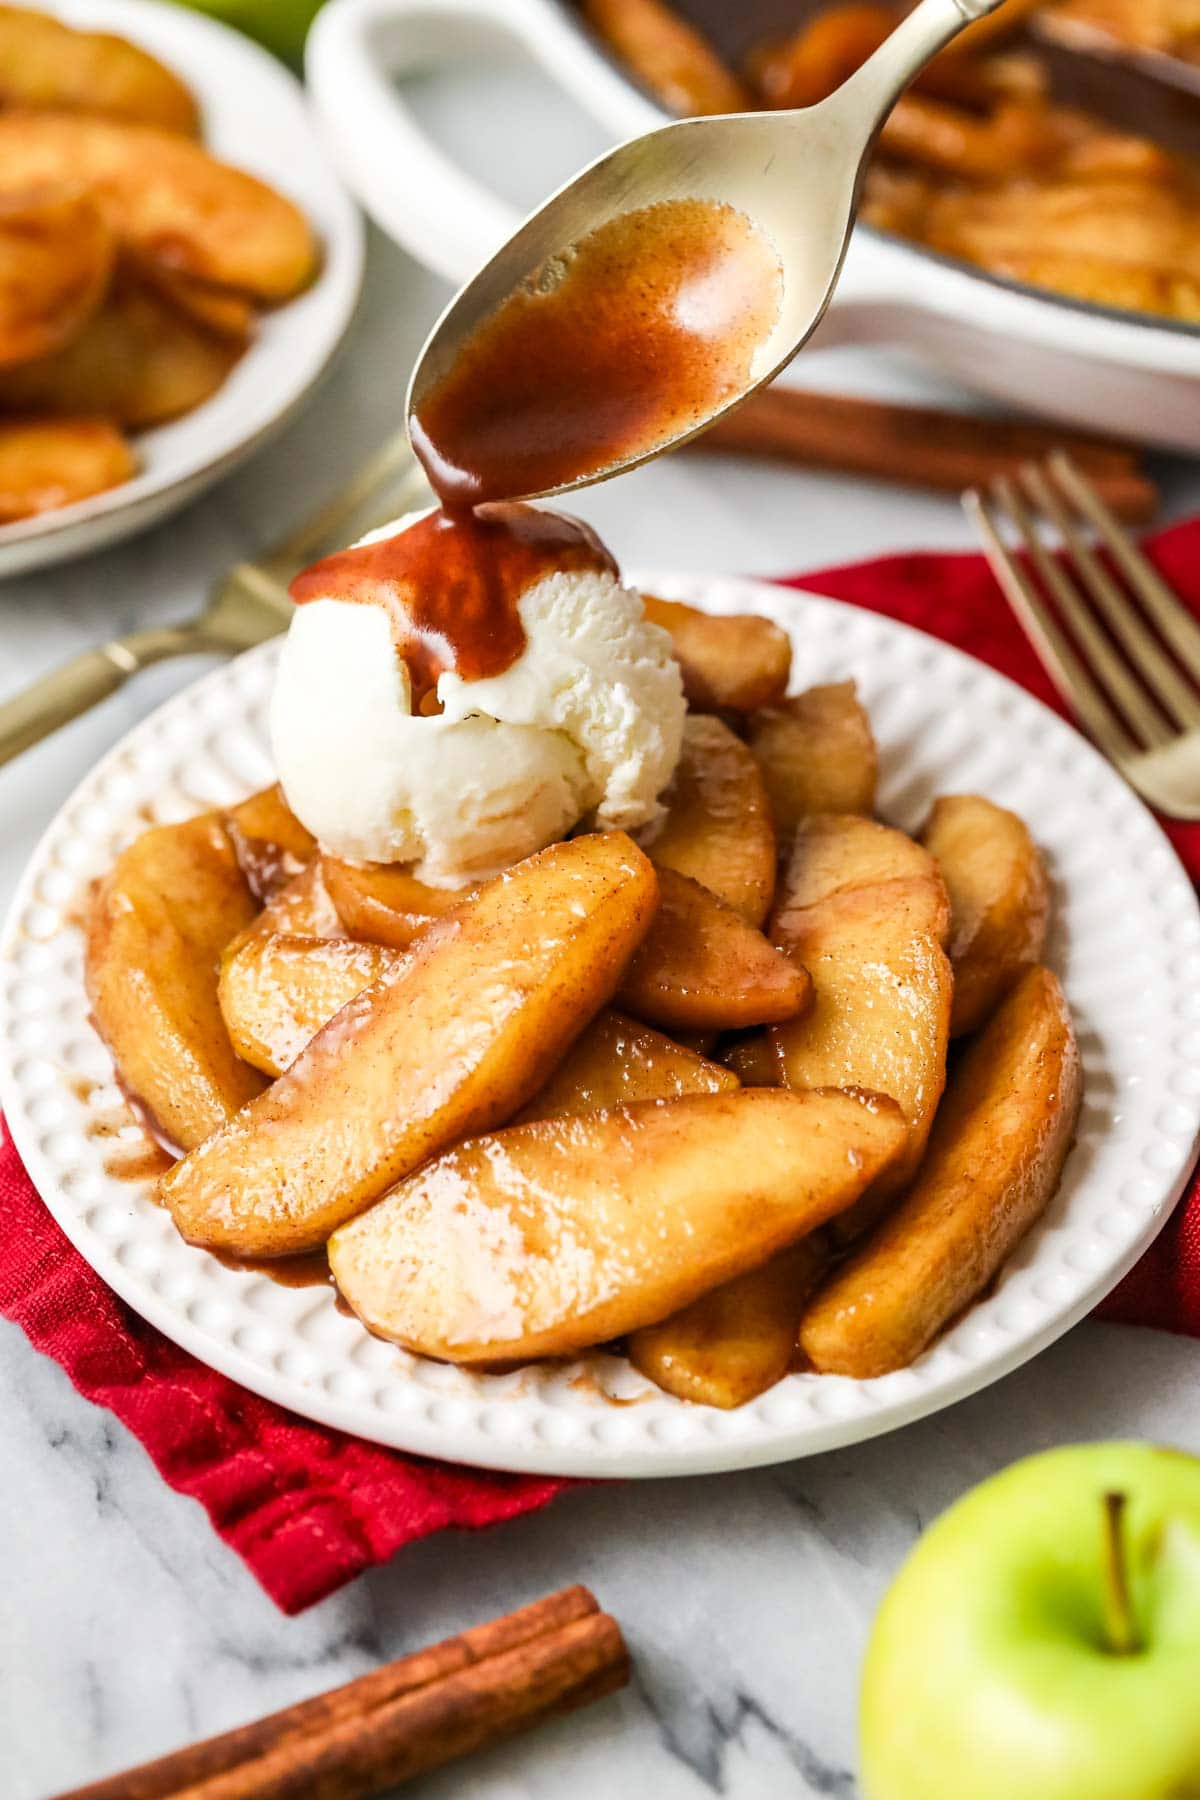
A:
[(717, 827), (835, 857), (44, 63), (702, 967), (668, 56), (167, 198), (46, 463), (272, 846), (383, 903), (993, 1164), (277, 992), (817, 754), (617, 1061), (865, 910), (731, 662), (56, 257), (548, 1237), (737, 1341), (301, 909), (137, 361), (999, 900), (452, 1039), (156, 928)]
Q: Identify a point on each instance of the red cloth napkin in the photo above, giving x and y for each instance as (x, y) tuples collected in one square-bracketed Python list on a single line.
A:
[(306, 1508)]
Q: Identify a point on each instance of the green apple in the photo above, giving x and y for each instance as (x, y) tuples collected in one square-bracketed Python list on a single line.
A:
[(1042, 1642), (282, 25)]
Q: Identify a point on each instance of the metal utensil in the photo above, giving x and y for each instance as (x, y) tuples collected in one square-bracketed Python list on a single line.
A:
[(1123, 653), (795, 174), (245, 605)]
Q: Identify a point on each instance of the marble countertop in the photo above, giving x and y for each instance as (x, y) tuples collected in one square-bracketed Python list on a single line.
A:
[(128, 1628)]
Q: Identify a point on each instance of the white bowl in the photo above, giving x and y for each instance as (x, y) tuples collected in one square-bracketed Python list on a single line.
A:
[(255, 115), (1126, 944)]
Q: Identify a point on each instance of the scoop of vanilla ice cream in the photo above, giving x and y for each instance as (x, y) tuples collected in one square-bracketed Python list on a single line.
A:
[(587, 721)]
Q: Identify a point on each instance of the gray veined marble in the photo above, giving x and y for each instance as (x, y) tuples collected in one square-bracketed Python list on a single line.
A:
[(126, 1628)]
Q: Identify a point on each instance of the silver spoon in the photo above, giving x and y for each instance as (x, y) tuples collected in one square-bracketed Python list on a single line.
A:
[(795, 174)]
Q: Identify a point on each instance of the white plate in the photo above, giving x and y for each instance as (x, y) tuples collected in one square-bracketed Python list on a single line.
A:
[(1126, 945), (254, 115)]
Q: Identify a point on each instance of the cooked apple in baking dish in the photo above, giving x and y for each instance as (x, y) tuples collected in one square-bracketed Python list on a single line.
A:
[(978, 160), (666, 1064)]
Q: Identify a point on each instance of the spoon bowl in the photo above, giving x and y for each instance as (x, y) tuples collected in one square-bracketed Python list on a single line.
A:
[(794, 175)]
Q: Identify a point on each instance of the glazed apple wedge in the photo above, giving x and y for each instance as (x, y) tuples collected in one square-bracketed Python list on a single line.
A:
[(817, 754), (999, 900), (865, 910), (156, 929), (738, 1341), (548, 1237), (617, 1061), (449, 1041), (277, 992), (717, 827), (384, 904), (272, 846), (301, 908), (993, 1163), (732, 662), (702, 968)]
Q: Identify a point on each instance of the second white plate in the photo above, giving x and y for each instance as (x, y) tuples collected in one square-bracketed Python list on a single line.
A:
[(1126, 945), (254, 115)]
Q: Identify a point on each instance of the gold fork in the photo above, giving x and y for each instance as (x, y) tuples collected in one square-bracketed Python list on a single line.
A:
[(1119, 651), (245, 605)]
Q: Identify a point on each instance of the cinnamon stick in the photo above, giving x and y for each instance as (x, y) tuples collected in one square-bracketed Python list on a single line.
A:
[(921, 446), (410, 1716)]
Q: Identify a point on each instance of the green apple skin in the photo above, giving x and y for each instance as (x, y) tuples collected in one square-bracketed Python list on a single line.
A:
[(282, 25), (988, 1675)]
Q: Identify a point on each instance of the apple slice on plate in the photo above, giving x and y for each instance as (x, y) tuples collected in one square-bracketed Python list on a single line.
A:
[(992, 1166), (617, 1061), (999, 900), (817, 754), (737, 1341), (702, 968), (865, 910), (717, 827), (383, 902), (276, 993), (156, 929), (549, 1237), (733, 662)]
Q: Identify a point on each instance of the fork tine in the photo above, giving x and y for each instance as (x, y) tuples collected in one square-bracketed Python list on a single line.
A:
[(1173, 619), (1166, 684), (1064, 668), (1073, 608)]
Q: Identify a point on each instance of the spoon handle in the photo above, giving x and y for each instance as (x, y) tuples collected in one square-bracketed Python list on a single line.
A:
[(869, 94)]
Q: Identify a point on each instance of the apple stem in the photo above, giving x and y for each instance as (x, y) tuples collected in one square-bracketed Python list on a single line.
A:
[(1119, 1629)]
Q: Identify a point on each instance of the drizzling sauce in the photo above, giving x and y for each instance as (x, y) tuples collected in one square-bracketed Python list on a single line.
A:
[(451, 584), (631, 338)]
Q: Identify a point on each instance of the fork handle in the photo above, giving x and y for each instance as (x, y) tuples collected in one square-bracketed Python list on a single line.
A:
[(82, 682)]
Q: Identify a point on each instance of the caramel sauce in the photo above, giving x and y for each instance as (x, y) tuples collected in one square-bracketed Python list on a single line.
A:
[(451, 583), (309, 1270), (631, 338), (138, 1160)]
